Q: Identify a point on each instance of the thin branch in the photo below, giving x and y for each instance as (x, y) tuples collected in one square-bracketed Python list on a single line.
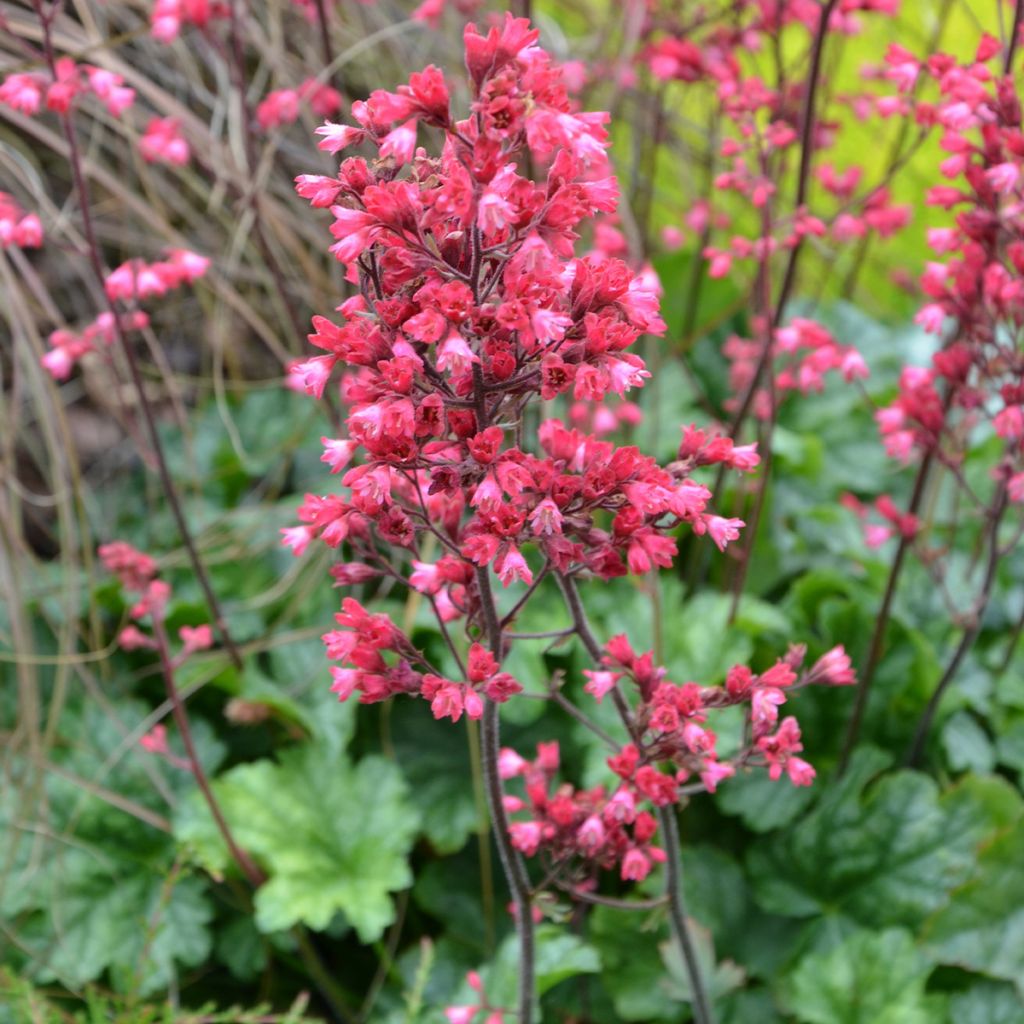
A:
[(96, 263), (970, 634)]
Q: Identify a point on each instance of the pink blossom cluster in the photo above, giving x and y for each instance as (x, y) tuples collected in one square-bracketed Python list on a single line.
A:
[(764, 117), (25, 230), (471, 304), (132, 281), (893, 521), (570, 825), (596, 829), (137, 573), (802, 353), (771, 125), (282, 106), (367, 641), (471, 308), (26, 91), (68, 347), (163, 143), (975, 287), (168, 17), (135, 280)]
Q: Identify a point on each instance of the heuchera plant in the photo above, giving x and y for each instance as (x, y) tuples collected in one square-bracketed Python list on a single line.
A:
[(969, 403), (472, 315)]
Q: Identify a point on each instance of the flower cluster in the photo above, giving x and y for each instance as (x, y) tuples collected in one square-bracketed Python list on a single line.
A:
[(68, 347), (162, 142), (137, 573), (570, 826), (26, 91), (471, 305), (471, 309), (802, 353), (136, 279), (365, 640), (17, 227), (770, 195), (168, 17), (588, 830), (132, 281), (282, 106), (975, 287)]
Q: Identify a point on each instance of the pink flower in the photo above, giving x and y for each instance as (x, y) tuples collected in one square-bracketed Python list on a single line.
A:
[(635, 866), (163, 142), (155, 741), (195, 639), (723, 530), (600, 683)]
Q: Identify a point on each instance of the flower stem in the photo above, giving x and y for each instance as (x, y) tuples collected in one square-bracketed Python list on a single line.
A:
[(511, 862), (970, 634), (882, 619), (96, 263), (702, 1012)]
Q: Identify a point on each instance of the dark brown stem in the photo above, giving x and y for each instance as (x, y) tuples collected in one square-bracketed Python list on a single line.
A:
[(96, 263), (511, 862), (1011, 43), (326, 49), (702, 1011), (882, 619), (803, 177), (250, 195), (245, 863), (970, 634)]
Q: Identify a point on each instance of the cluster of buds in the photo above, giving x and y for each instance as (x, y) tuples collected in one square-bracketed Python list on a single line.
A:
[(573, 828), (282, 106), (168, 17), (27, 91), (132, 281), (137, 573), (472, 305), (163, 143), (673, 753), (17, 227), (136, 279), (363, 643), (893, 521), (802, 353)]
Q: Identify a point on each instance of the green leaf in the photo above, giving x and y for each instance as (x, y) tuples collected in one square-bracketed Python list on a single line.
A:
[(982, 927), (631, 969), (762, 804), (987, 1003), (435, 760), (885, 855), (332, 837), (967, 744), (869, 978), (720, 977), (122, 916), (558, 955)]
